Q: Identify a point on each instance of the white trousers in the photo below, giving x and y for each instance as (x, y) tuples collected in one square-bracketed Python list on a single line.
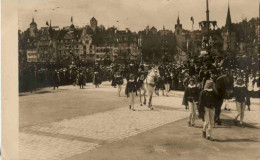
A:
[(167, 88), (240, 111), (209, 121), (119, 89), (132, 99), (193, 108)]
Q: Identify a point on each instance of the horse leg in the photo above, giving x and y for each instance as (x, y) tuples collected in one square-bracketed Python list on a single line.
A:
[(217, 113), (144, 97), (140, 95), (149, 103)]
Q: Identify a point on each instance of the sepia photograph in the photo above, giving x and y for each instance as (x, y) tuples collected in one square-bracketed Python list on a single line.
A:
[(138, 79)]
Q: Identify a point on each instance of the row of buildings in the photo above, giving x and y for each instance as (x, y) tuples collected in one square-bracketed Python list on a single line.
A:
[(96, 43), (90, 43)]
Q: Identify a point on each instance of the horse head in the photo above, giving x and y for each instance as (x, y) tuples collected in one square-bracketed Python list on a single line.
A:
[(152, 76), (224, 86)]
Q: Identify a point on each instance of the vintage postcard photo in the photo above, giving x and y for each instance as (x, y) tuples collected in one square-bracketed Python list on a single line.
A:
[(138, 79)]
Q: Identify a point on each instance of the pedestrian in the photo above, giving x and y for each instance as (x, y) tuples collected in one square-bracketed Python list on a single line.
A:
[(56, 79), (131, 91), (141, 86), (81, 80), (250, 89), (240, 93), (167, 81), (257, 85), (192, 97), (119, 82), (207, 103), (113, 80)]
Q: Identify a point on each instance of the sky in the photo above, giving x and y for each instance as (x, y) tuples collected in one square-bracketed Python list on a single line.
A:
[(133, 14)]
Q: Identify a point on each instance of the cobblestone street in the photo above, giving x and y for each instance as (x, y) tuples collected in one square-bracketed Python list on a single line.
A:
[(69, 122)]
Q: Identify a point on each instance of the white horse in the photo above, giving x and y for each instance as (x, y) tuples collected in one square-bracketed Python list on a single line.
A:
[(150, 83)]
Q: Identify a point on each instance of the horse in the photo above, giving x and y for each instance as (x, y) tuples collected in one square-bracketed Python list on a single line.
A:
[(223, 87), (150, 83)]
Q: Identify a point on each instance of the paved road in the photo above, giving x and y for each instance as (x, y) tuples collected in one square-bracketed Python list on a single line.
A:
[(87, 124)]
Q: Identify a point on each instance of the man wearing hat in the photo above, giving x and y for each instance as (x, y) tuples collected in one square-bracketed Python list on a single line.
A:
[(207, 104), (191, 96), (240, 94)]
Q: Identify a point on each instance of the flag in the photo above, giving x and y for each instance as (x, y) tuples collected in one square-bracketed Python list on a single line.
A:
[(47, 23), (192, 19)]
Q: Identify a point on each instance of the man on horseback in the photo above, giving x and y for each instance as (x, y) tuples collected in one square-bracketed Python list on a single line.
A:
[(150, 82)]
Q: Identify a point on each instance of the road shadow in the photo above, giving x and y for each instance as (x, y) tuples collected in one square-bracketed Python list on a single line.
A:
[(236, 140), (148, 110), (230, 122), (170, 108), (35, 92)]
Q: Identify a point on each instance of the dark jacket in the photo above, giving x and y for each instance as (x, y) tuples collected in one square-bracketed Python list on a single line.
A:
[(192, 94), (140, 82), (81, 79), (240, 93), (207, 99), (131, 86), (119, 80)]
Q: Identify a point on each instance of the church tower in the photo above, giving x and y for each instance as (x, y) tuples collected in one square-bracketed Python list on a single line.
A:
[(178, 27), (33, 28), (93, 23), (228, 34), (178, 33)]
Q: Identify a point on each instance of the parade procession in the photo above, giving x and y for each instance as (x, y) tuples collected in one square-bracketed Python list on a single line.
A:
[(188, 92)]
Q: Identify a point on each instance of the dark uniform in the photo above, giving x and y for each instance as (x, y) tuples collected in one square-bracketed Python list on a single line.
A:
[(207, 105), (240, 94), (56, 79), (81, 80), (191, 95), (131, 90)]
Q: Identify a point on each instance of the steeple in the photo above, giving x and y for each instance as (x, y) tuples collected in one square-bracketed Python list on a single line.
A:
[(178, 19), (33, 23), (33, 28), (228, 20)]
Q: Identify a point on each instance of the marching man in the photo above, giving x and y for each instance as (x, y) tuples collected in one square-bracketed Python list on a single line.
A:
[(207, 105), (192, 96), (119, 82), (131, 91), (240, 94)]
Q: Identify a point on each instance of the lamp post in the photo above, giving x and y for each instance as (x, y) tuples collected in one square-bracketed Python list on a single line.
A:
[(206, 26)]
